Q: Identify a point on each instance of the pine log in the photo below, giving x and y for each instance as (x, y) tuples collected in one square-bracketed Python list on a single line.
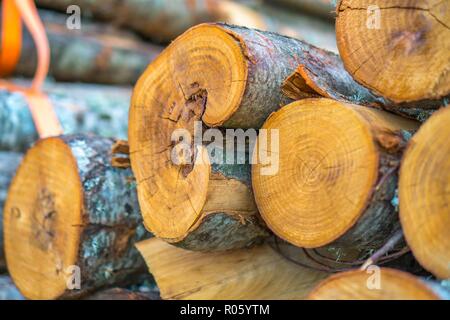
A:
[(393, 285), (405, 55), (221, 75), (328, 78), (9, 161), (95, 53), (424, 194), (86, 108), (337, 175), (67, 207), (290, 23), (322, 8), (163, 21), (256, 273), (8, 290)]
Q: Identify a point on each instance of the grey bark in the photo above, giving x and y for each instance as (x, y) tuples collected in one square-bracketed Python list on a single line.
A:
[(330, 79), (80, 108), (271, 59), (113, 223), (221, 231), (95, 53), (9, 161), (160, 21)]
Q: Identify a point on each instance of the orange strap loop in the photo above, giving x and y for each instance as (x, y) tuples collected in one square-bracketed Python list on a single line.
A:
[(44, 117)]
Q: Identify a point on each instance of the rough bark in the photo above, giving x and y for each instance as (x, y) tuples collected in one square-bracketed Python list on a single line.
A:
[(165, 20), (327, 77), (94, 53), (161, 21), (257, 273), (80, 108), (230, 77), (269, 17), (230, 229), (9, 161), (110, 221)]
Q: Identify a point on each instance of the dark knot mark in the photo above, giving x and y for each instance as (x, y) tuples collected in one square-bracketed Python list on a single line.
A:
[(43, 220)]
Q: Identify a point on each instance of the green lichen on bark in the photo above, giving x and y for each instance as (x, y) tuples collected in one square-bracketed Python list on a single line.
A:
[(112, 222), (80, 108), (222, 231)]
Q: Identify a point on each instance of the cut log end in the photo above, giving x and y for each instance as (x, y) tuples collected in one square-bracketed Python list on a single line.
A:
[(71, 219), (384, 45), (330, 162), (424, 194), (171, 95), (42, 218), (363, 285)]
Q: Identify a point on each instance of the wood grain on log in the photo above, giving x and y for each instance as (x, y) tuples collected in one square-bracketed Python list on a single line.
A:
[(337, 175), (256, 273), (102, 110), (94, 53), (380, 284), (9, 161), (399, 49), (68, 208), (220, 75), (424, 194)]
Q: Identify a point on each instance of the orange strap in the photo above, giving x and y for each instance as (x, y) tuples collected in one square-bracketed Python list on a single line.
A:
[(44, 117)]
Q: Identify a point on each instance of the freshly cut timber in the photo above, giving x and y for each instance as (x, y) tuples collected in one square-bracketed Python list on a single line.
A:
[(255, 273), (424, 194), (218, 75), (71, 220), (398, 49), (9, 161), (94, 53), (337, 174), (80, 108), (378, 284), (328, 78)]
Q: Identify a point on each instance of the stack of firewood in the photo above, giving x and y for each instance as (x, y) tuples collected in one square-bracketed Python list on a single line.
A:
[(338, 189)]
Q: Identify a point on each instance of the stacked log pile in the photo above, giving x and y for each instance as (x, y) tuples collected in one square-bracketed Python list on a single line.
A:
[(258, 163), (95, 52)]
